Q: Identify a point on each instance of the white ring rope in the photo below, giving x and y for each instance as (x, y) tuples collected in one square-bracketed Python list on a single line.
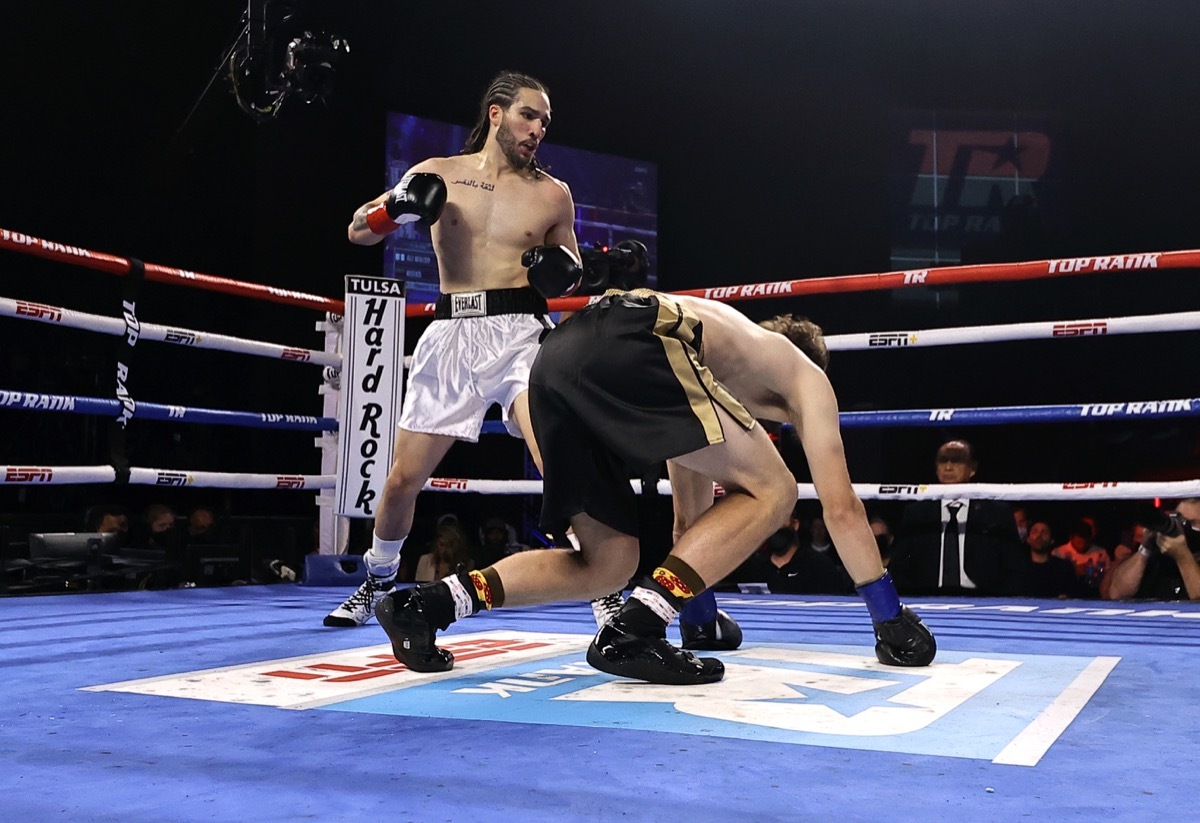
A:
[(114, 326), (1005, 332), (75, 475), (1053, 329), (1107, 490), (1111, 490)]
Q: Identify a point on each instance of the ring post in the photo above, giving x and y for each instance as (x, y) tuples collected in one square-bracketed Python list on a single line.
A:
[(372, 375)]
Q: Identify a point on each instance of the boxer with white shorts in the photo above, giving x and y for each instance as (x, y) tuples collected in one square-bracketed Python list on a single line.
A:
[(485, 209)]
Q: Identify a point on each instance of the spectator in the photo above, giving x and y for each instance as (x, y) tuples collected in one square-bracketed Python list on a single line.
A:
[(1021, 519), (883, 538), (1089, 559), (497, 539), (821, 540), (788, 564), (449, 549), (159, 522), (1164, 567), (109, 519), (957, 546), (201, 525), (1046, 575)]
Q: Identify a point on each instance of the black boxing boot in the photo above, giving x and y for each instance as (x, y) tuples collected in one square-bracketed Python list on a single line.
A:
[(617, 650), (634, 643), (403, 614)]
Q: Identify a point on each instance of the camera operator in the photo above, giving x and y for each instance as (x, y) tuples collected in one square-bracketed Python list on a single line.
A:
[(1165, 567)]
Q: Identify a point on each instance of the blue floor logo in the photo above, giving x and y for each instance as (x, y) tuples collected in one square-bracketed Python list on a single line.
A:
[(1005, 708)]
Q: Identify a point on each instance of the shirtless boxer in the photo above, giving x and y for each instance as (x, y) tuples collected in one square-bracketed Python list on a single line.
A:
[(485, 207), (625, 383)]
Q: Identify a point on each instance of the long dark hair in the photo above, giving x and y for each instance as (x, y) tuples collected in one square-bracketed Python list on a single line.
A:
[(502, 91)]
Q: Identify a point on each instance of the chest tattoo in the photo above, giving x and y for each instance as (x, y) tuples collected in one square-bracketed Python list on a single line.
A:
[(475, 184)]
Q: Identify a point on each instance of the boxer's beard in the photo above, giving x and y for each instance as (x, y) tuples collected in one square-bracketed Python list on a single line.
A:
[(508, 144)]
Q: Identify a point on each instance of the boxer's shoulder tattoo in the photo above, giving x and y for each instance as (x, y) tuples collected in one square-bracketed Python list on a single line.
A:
[(475, 184)]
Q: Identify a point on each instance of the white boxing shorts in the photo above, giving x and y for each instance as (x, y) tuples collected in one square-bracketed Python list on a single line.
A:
[(461, 367)]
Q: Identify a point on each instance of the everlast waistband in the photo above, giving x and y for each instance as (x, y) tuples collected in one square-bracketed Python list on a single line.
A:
[(486, 303)]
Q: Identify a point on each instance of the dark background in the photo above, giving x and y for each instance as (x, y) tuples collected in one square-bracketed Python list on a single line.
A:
[(769, 122)]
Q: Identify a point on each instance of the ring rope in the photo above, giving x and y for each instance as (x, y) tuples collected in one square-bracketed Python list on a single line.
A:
[(77, 475), (114, 264), (157, 411), (944, 276), (1054, 329), (1111, 490), (990, 415), (68, 318)]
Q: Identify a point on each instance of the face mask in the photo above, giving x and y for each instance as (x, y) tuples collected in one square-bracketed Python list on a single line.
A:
[(1022, 532), (781, 541)]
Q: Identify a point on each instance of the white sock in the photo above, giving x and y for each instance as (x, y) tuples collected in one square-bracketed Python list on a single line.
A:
[(656, 603), (462, 598), (383, 558)]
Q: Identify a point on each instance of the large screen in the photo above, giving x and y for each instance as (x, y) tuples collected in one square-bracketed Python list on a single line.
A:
[(616, 198)]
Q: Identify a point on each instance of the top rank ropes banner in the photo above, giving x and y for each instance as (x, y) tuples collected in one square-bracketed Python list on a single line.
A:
[(372, 375)]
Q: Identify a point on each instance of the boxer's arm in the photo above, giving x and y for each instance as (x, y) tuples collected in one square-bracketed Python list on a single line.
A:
[(368, 226), (901, 638), (813, 410), (358, 232), (562, 233)]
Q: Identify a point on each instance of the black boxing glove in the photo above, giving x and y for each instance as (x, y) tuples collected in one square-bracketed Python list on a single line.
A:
[(904, 640), (901, 638), (554, 271), (419, 196)]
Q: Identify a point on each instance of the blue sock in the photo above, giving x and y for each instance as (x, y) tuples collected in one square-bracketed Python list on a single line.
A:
[(700, 609)]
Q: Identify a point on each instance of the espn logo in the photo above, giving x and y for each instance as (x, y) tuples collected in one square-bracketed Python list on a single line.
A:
[(892, 339), (289, 481), (181, 337), (171, 479), (28, 474), (299, 355), (454, 483), (1105, 485), (901, 489), (1079, 329), (38, 311)]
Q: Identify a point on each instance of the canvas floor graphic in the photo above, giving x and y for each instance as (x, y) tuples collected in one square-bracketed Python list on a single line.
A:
[(1004, 708), (236, 704)]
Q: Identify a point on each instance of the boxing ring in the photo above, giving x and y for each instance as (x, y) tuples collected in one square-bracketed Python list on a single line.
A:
[(223, 704)]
